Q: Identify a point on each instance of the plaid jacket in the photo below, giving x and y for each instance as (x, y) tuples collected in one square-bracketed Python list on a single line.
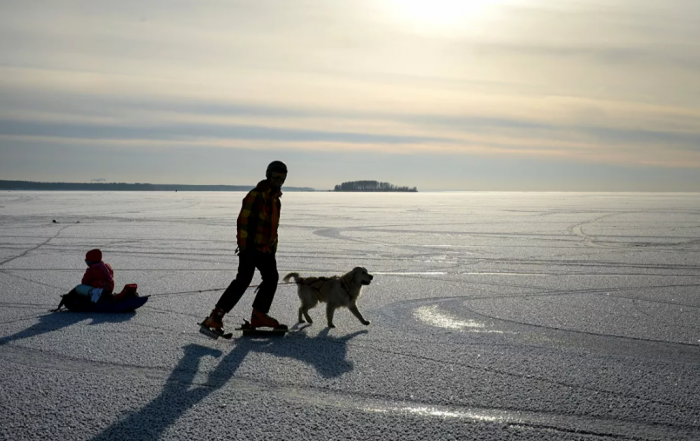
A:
[(259, 219)]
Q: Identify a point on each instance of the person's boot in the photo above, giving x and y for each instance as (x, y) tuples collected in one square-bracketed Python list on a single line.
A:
[(261, 320), (213, 326), (215, 319)]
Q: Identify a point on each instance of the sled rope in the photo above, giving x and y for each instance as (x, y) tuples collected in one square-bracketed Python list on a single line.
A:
[(200, 291)]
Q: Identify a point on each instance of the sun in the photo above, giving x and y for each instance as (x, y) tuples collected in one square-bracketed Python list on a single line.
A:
[(439, 16)]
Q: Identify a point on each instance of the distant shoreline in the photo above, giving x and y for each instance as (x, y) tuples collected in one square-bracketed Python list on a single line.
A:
[(122, 186)]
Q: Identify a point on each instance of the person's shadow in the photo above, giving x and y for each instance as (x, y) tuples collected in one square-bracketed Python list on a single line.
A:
[(326, 354), (58, 320), (177, 396)]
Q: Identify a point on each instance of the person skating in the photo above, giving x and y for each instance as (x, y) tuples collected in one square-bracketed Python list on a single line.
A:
[(257, 226)]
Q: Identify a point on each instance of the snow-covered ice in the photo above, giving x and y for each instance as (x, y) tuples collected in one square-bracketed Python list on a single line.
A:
[(495, 316)]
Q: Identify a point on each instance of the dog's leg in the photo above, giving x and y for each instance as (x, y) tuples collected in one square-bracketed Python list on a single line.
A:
[(305, 311), (356, 313), (306, 304), (330, 310)]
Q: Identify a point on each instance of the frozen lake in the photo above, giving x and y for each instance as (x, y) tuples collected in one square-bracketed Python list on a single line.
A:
[(495, 316)]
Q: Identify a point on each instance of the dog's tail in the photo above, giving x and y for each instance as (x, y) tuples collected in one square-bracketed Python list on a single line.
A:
[(294, 276)]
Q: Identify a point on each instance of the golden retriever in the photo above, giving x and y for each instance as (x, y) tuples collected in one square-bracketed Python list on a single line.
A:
[(335, 292)]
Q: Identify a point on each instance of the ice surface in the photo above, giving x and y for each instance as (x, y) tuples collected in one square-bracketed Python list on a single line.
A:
[(495, 316)]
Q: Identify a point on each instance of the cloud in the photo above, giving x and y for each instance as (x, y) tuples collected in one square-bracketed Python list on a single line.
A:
[(564, 127), (96, 131)]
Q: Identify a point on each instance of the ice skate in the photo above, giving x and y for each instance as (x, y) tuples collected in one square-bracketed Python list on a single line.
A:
[(262, 320), (261, 324), (213, 327)]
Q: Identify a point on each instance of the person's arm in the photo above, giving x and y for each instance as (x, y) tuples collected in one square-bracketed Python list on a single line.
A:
[(110, 283), (88, 277), (248, 221), (275, 225)]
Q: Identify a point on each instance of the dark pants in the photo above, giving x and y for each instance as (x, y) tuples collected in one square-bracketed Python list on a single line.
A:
[(247, 262)]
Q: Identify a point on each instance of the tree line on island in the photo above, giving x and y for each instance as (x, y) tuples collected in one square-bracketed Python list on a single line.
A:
[(372, 186)]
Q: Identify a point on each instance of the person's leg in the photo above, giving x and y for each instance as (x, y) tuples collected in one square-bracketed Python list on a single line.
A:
[(267, 264), (89, 292), (234, 292), (83, 290)]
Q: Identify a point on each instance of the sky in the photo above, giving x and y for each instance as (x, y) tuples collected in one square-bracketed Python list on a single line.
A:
[(503, 95)]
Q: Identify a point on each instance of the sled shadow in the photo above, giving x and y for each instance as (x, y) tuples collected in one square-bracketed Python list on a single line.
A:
[(183, 389), (55, 321)]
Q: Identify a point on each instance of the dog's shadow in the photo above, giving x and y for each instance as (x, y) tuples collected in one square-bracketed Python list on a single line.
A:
[(325, 353)]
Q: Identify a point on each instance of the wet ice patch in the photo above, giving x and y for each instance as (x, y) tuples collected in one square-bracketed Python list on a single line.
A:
[(412, 273), (503, 274), (432, 316), (436, 412)]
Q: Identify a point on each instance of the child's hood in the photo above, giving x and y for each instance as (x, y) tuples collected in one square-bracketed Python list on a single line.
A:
[(94, 256)]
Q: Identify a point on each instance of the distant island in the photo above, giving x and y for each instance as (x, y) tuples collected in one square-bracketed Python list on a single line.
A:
[(121, 186), (372, 186)]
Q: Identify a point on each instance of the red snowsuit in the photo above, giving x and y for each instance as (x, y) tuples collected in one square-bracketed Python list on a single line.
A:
[(99, 275)]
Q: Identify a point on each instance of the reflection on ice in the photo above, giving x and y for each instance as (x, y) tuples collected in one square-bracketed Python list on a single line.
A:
[(502, 274), (435, 412), (431, 316), (413, 273)]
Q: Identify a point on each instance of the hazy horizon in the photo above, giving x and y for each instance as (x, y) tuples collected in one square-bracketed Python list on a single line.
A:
[(480, 95)]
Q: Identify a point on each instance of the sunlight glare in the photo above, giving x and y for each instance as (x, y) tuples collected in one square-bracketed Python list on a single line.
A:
[(439, 16)]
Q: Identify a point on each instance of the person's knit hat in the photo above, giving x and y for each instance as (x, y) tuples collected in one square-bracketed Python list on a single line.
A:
[(94, 256)]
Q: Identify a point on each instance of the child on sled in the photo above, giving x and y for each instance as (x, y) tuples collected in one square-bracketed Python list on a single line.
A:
[(98, 279), (96, 287)]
